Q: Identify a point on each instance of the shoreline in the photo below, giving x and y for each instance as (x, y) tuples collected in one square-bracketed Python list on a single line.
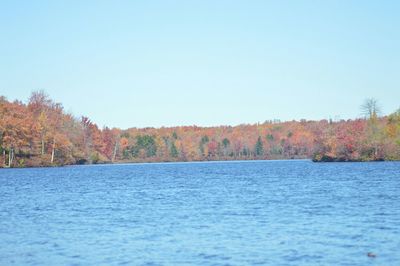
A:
[(200, 161)]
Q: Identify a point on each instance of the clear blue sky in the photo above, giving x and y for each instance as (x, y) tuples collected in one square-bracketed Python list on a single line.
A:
[(165, 63)]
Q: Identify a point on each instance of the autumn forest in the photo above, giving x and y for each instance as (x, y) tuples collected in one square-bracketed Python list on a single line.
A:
[(41, 133)]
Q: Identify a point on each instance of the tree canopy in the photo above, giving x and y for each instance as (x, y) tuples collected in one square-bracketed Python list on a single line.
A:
[(41, 133)]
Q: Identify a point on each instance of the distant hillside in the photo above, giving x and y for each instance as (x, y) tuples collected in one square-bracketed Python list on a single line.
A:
[(41, 133)]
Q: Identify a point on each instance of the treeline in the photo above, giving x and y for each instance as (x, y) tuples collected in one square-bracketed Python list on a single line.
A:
[(373, 138), (41, 133)]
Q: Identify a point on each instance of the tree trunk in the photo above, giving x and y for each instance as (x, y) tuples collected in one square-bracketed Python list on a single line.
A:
[(115, 152), (42, 146), (4, 157), (53, 149), (10, 157)]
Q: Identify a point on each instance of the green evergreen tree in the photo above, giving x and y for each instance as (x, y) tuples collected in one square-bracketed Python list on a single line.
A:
[(259, 149), (225, 142), (147, 143), (173, 151)]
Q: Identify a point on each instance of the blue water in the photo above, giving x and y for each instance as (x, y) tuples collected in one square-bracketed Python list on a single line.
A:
[(219, 213)]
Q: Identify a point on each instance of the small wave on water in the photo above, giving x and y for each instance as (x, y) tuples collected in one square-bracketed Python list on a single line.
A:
[(219, 213)]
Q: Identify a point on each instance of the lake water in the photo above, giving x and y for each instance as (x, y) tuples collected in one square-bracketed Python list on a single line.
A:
[(213, 213)]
